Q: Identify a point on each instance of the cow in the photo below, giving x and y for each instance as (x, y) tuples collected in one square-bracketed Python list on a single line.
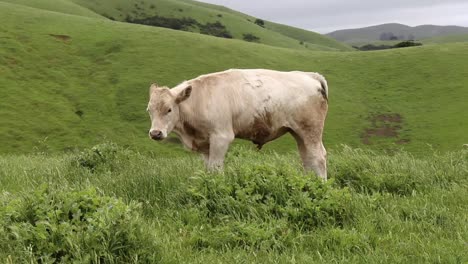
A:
[(258, 105)]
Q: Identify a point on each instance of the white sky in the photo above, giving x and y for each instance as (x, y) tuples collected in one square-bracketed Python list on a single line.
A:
[(326, 16)]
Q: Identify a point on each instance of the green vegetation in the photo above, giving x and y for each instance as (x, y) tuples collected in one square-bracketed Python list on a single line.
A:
[(403, 44), (72, 85), (236, 23), (51, 225), (446, 39), (72, 78), (251, 38), (313, 40), (262, 209), (60, 6)]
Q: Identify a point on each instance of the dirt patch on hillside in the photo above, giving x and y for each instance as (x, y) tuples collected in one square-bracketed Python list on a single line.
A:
[(384, 126), (403, 141), (63, 38), (11, 61)]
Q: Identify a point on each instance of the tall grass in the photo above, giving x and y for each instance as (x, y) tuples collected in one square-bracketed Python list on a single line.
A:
[(262, 208)]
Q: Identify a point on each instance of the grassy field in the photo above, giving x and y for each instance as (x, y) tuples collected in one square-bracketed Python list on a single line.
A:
[(446, 39), (128, 207), (74, 84), (71, 78)]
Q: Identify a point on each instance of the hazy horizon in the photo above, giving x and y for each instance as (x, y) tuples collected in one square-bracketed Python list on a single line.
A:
[(335, 15)]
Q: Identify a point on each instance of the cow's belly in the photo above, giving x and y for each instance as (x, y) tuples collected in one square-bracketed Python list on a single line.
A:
[(259, 133)]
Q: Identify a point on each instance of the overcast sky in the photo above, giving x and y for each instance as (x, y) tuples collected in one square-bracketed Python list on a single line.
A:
[(325, 16)]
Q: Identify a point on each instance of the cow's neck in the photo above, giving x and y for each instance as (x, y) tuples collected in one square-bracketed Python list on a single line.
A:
[(184, 129)]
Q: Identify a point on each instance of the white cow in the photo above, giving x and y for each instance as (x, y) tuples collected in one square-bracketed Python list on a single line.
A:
[(208, 112)]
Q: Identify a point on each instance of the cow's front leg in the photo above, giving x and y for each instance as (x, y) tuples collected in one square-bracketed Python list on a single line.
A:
[(206, 158), (219, 145)]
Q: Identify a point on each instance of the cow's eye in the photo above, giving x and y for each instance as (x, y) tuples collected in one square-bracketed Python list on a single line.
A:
[(170, 110)]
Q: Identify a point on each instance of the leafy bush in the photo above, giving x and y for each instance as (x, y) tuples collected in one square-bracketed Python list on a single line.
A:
[(264, 191), (100, 157), (262, 205), (271, 235), (403, 44), (167, 22), (250, 37), (215, 29), (51, 226), (408, 43), (260, 22)]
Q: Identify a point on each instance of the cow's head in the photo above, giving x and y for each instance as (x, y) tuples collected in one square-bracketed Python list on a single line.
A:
[(163, 108)]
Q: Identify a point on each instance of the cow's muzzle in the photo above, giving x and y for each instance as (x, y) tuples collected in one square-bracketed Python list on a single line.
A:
[(156, 135)]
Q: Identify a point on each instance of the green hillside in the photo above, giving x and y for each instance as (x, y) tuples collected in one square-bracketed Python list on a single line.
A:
[(236, 23), (311, 39), (61, 6), (446, 39), (74, 84), (373, 33)]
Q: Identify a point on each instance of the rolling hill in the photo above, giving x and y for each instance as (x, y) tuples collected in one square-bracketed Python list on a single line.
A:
[(72, 81), (446, 39), (236, 24), (403, 32)]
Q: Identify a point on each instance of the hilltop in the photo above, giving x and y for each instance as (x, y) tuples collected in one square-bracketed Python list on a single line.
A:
[(394, 31)]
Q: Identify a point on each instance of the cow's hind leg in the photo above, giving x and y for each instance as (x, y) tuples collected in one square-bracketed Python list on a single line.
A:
[(219, 145), (313, 153)]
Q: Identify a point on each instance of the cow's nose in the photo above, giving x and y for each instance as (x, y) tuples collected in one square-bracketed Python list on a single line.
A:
[(156, 134)]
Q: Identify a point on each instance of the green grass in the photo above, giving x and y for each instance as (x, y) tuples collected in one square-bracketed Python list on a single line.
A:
[(236, 23), (262, 209), (312, 40), (60, 94), (446, 39), (73, 80), (60, 6)]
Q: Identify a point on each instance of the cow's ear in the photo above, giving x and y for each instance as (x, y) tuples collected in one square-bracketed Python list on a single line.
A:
[(153, 87), (184, 94)]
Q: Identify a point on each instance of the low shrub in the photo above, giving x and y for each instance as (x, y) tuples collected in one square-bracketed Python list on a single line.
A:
[(260, 22), (264, 191), (251, 38), (104, 156), (51, 226), (215, 29), (167, 22)]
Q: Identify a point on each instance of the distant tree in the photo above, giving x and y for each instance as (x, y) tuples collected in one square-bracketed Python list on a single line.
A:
[(167, 22), (250, 38), (403, 44), (409, 43), (260, 22), (374, 47), (215, 29)]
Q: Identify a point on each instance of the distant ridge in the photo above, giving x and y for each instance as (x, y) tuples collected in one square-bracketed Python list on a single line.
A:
[(394, 31)]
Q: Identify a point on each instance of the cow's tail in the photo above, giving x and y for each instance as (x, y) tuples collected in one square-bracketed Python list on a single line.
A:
[(323, 83)]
